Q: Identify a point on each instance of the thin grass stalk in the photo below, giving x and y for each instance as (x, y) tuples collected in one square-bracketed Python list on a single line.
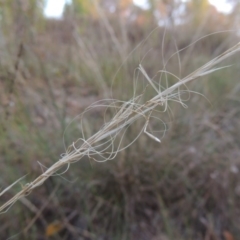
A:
[(127, 114)]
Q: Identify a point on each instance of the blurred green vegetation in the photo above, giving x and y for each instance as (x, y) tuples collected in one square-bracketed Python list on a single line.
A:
[(188, 187)]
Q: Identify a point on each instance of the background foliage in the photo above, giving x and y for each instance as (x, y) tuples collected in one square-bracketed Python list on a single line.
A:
[(188, 187)]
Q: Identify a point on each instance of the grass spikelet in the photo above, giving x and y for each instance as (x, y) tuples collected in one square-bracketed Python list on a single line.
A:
[(102, 145)]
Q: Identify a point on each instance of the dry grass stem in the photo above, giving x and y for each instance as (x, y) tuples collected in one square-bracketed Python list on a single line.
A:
[(101, 146)]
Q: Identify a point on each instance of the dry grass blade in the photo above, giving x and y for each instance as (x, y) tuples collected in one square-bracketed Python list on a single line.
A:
[(127, 114)]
